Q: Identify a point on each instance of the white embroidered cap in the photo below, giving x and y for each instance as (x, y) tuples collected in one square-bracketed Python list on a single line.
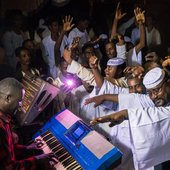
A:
[(153, 78), (115, 61)]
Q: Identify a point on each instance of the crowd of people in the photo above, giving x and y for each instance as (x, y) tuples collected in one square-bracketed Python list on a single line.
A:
[(119, 84)]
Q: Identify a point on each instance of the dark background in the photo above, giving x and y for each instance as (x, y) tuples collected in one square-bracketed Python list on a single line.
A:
[(102, 9)]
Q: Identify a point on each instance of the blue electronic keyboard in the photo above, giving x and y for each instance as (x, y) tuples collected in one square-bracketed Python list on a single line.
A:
[(76, 145)]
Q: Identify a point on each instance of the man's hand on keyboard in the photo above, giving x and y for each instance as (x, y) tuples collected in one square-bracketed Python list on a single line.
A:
[(47, 160), (34, 147)]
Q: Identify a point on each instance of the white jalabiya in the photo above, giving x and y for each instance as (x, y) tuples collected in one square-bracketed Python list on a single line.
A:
[(88, 112), (134, 58), (120, 134), (150, 135), (109, 88), (75, 32), (81, 72), (49, 56)]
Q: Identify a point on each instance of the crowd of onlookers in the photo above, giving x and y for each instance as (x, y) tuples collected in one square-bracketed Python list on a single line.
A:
[(112, 71)]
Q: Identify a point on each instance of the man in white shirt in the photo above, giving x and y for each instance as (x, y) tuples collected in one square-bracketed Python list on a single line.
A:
[(48, 44), (119, 133), (153, 37), (148, 126), (80, 31), (51, 44), (13, 39)]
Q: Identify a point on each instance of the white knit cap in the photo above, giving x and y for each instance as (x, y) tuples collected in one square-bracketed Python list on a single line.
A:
[(153, 78), (115, 61)]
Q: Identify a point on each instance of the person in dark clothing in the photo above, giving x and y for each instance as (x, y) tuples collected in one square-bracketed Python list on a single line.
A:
[(11, 94), (5, 69), (36, 59)]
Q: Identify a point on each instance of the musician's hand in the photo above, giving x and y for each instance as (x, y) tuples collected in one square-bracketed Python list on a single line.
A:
[(114, 119), (47, 160), (33, 147)]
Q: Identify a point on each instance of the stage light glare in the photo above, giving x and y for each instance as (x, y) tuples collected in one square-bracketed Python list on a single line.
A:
[(70, 83)]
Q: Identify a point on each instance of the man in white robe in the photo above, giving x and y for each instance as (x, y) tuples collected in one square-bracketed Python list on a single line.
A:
[(120, 135), (148, 126)]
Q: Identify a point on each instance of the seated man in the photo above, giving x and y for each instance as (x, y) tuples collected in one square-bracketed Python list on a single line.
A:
[(11, 94)]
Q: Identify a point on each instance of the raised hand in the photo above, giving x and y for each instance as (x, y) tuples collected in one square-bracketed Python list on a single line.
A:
[(166, 62), (139, 15), (128, 70), (67, 23), (114, 119), (118, 14), (135, 71), (93, 62), (138, 71)]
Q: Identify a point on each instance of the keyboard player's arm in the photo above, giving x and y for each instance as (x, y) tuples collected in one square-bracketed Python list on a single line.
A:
[(46, 161)]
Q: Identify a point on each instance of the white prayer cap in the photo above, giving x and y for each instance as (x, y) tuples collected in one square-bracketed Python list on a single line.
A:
[(153, 78), (115, 61)]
